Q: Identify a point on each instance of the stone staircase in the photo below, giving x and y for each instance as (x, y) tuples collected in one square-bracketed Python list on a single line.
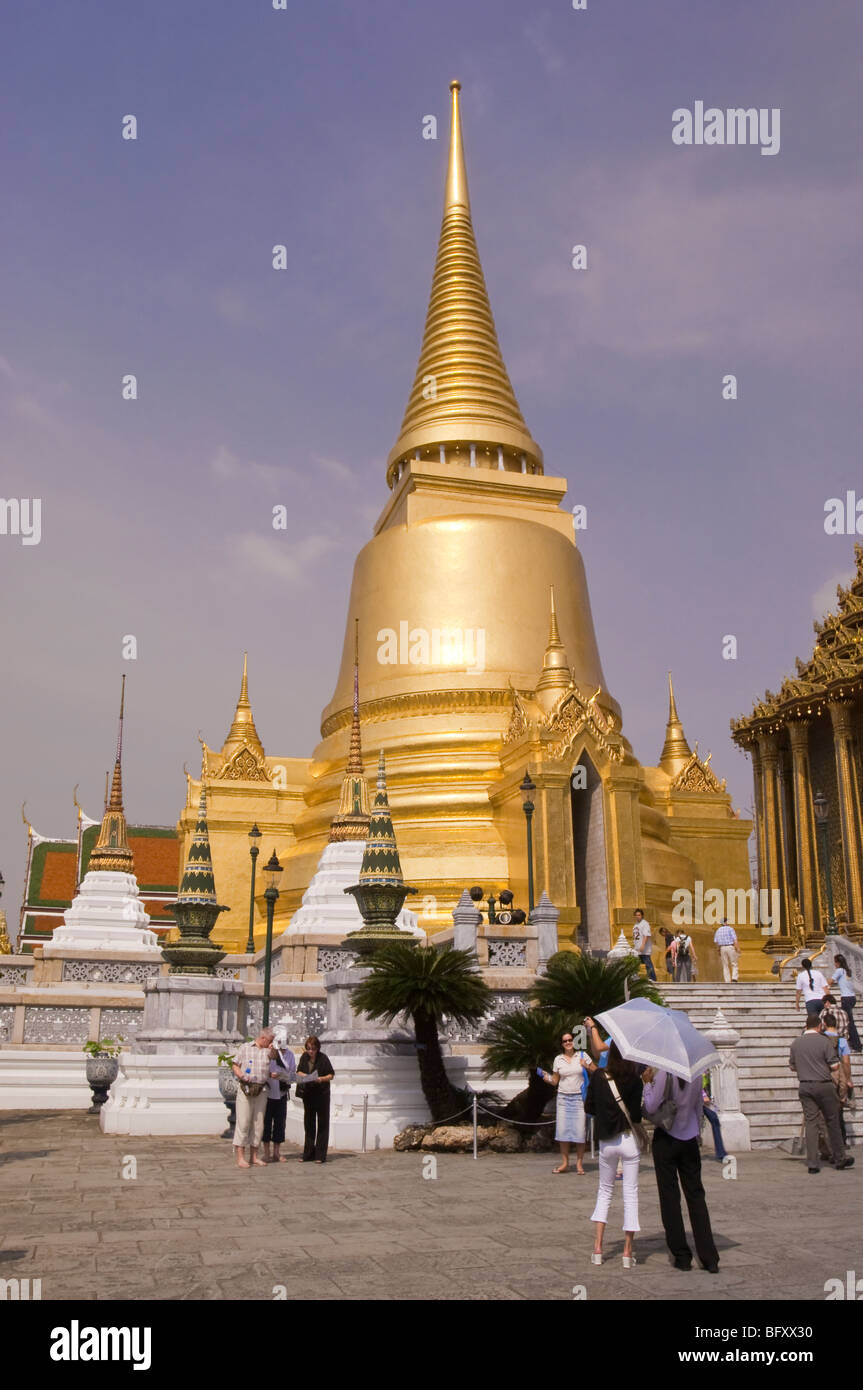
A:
[(767, 1021)]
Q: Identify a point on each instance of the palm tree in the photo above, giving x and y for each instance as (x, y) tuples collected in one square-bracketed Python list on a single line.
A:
[(580, 986), (429, 986), (521, 1042)]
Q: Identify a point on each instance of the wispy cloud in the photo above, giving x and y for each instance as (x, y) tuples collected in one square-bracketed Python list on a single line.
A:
[(336, 469), (675, 267), (228, 465), (824, 599), (280, 557)]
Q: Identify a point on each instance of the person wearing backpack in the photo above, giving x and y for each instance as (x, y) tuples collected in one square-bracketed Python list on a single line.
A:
[(683, 957), (676, 1109)]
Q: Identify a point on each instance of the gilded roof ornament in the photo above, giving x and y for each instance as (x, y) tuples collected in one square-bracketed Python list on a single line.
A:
[(351, 821), (111, 853), (675, 750), (556, 677), (462, 393), (242, 730)]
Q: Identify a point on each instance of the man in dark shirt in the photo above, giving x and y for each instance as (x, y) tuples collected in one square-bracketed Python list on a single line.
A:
[(816, 1063)]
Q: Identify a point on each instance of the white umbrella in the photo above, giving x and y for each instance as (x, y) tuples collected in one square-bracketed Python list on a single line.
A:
[(661, 1038)]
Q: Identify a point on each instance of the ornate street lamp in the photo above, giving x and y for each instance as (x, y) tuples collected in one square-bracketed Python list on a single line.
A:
[(273, 870), (254, 851), (528, 787), (821, 807)]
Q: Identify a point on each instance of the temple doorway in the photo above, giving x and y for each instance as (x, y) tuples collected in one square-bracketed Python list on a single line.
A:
[(588, 838)]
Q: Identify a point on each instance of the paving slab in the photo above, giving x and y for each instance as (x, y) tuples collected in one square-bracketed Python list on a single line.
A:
[(372, 1226)]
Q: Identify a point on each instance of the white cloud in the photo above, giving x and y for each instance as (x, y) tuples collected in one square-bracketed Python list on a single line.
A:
[(232, 306), (537, 35), (824, 599), (676, 265), (336, 469), (279, 557), (227, 465)]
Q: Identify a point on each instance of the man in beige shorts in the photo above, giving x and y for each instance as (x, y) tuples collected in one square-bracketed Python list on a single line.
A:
[(252, 1067)]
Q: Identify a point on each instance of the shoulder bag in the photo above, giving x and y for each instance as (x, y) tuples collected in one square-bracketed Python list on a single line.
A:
[(637, 1128)]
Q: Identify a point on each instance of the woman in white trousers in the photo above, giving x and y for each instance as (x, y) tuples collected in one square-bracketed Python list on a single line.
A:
[(613, 1118)]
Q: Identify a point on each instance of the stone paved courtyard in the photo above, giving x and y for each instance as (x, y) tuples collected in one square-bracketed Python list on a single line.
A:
[(190, 1225)]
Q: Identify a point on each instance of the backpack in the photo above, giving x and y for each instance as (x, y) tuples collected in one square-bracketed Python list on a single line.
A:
[(683, 948), (664, 1117)]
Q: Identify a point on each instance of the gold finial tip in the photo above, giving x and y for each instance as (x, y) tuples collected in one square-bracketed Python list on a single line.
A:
[(455, 85)]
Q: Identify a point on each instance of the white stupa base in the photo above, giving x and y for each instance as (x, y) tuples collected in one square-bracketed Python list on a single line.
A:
[(326, 908), (165, 1093), (395, 1098), (43, 1080), (106, 915)]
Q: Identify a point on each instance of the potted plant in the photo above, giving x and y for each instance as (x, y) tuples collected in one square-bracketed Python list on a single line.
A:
[(228, 1089), (103, 1063)]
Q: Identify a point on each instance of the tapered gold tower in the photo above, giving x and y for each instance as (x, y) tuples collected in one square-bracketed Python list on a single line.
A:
[(479, 660)]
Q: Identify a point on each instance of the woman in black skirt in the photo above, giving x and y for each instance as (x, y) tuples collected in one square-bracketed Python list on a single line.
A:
[(315, 1095)]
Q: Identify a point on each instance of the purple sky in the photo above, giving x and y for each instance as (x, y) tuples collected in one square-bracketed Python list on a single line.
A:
[(256, 387)]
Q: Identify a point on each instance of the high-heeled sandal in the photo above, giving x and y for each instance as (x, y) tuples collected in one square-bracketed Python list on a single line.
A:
[(629, 1261), (596, 1259)]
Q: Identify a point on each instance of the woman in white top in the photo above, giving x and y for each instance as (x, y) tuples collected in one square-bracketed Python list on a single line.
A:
[(843, 982), (811, 987), (569, 1075)]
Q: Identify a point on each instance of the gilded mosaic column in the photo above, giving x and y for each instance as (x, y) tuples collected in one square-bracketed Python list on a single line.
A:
[(808, 884), (758, 783), (849, 809), (770, 839)]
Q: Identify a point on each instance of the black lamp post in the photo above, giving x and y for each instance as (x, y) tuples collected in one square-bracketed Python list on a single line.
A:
[(822, 818), (528, 787), (254, 851), (273, 870)]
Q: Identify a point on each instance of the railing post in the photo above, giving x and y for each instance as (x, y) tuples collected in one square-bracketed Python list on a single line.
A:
[(725, 1085), (365, 1120), (474, 1128)]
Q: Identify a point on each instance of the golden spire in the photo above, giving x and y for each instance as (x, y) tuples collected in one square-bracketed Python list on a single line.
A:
[(243, 730), (461, 393), (556, 675), (676, 752), (351, 821), (111, 853)]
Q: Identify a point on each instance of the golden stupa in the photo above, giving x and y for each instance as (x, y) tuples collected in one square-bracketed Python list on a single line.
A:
[(478, 661)]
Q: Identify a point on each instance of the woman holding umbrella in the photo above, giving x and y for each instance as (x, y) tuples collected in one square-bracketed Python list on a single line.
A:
[(675, 1055), (614, 1100)]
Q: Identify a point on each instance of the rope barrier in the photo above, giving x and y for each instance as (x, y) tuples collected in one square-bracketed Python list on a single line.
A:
[(505, 1120)]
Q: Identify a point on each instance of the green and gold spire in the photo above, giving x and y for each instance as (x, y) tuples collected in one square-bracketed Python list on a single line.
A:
[(381, 862), (196, 908), (462, 401), (198, 884), (111, 853), (676, 751), (352, 819)]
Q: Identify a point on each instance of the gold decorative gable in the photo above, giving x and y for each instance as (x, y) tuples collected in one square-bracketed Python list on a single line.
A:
[(243, 767), (567, 720), (698, 776)]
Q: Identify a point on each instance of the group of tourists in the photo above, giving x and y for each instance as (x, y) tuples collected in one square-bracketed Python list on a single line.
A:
[(681, 960), (821, 1060), (266, 1069), (615, 1093)]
